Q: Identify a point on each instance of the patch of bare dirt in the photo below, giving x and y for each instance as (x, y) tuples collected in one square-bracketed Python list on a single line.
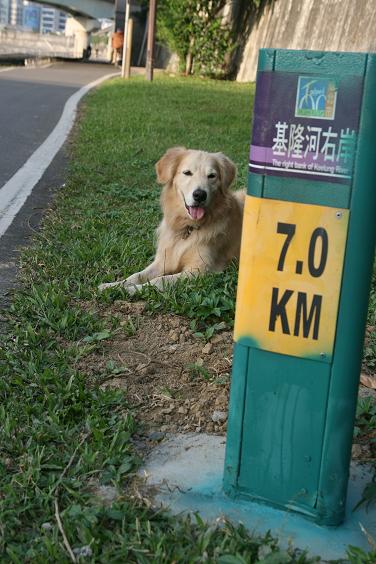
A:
[(177, 382)]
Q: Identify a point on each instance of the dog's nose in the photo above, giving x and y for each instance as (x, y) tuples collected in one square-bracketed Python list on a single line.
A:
[(199, 195)]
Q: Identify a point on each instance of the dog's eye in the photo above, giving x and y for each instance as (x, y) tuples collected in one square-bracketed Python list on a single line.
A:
[(212, 175), (187, 172)]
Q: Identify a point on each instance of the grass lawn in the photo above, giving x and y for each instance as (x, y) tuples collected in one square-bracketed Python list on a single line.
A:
[(61, 439)]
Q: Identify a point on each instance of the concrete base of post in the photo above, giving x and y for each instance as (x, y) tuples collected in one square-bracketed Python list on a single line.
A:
[(185, 473)]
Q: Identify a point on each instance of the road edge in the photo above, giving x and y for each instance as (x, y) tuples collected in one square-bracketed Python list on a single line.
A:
[(14, 193)]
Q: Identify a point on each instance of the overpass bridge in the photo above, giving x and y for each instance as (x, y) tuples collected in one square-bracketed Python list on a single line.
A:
[(85, 16), (85, 19), (92, 9)]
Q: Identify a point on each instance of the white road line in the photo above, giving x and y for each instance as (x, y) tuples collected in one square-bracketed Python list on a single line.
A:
[(26, 67), (32, 67), (15, 192)]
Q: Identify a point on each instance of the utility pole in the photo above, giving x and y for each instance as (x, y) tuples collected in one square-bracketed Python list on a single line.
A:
[(125, 44), (151, 40), (128, 55)]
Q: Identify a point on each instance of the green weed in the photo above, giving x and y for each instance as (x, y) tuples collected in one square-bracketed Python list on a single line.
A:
[(198, 371)]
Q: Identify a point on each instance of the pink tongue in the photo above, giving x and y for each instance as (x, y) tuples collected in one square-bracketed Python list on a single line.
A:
[(196, 213)]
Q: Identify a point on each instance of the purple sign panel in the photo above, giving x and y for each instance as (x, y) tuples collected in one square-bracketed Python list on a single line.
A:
[(305, 126)]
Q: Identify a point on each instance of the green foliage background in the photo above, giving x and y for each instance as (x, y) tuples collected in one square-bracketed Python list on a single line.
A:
[(195, 31)]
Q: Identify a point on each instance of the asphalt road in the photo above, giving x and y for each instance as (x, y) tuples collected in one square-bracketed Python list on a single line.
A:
[(31, 104)]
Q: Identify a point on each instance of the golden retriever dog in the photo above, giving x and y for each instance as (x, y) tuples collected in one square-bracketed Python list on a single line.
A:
[(202, 219)]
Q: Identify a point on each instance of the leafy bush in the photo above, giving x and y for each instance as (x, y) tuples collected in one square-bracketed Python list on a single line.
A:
[(195, 30)]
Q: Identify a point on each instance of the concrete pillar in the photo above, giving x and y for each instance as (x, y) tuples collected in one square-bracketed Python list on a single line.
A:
[(80, 28)]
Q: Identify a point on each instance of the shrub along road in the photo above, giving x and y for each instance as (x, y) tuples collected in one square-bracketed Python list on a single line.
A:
[(66, 445)]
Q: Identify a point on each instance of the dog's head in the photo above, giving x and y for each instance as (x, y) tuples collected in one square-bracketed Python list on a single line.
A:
[(198, 178)]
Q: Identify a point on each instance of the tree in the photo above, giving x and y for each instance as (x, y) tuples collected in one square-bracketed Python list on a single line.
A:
[(194, 29)]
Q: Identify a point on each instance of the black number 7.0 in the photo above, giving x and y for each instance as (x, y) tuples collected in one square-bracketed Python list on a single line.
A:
[(289, 230), (319, 233)]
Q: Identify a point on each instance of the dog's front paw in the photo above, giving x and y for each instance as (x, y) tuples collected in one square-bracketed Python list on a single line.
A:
[(129, 287), (132, 289), (107, 285), (132, 280)]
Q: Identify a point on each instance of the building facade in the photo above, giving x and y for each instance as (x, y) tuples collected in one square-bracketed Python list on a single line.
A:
[(32, 16), (4, 12), (52, 21), (15, 12)]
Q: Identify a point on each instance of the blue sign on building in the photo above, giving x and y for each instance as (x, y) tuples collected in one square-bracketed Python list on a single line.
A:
[(31, 18)]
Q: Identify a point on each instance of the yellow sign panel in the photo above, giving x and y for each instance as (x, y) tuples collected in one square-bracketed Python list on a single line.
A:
[(290, 276)]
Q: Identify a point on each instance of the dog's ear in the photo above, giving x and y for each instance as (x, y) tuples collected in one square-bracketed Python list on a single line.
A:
[(167, 165), (227, 169)]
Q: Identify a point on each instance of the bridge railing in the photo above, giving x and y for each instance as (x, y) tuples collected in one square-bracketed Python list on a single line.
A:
[(16, 42)]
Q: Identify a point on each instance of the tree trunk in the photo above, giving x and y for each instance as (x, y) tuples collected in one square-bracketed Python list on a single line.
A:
[(188, 63), (189, 58)]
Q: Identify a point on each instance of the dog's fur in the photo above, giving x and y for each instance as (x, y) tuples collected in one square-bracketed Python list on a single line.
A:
[(192, 237)]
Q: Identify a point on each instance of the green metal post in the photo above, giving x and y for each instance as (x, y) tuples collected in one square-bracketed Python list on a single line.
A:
[(305, 270)]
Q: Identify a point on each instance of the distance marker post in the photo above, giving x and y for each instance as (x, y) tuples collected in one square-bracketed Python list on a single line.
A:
[(305, 268)]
